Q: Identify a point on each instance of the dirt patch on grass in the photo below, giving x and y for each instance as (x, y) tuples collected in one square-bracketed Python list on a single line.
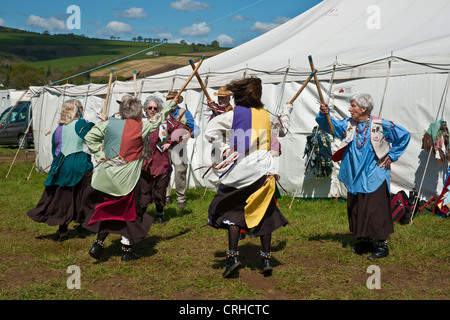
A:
[(22, 156)]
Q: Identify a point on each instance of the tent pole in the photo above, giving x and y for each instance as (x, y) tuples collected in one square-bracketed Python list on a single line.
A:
[(386, 84), (280, 98)]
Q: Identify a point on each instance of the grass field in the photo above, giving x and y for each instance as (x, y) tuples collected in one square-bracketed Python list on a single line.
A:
[(68, 52), (184, 260)]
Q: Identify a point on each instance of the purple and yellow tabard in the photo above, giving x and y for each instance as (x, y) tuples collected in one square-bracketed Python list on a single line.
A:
[(251, 130)]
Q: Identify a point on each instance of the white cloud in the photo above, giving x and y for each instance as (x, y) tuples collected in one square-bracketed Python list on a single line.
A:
[(132, 13), (2, 23), (115, 28), (263, 27), (240, 18), (49, 24), (165, 35), (190, 5), (196, 30), (225, 40)]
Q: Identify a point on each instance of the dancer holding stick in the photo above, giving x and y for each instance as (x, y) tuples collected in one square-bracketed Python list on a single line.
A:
[(369, 145), (112, 202), (70, 173), (246, 187)]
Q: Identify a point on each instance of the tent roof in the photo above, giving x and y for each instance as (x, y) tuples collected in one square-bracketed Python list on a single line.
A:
[(343, 32), (412, 35)]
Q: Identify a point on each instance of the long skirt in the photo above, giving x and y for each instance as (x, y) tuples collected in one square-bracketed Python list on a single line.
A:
[(153, 189), (228, 205), (369, 214), (61, 205), (135, 230)]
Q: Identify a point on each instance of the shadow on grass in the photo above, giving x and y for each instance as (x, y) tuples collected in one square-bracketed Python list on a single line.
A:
[(249, 256), (346, 239), (145, 248)]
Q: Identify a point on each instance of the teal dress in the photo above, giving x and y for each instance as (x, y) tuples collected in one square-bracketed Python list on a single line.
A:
[(70, 175)]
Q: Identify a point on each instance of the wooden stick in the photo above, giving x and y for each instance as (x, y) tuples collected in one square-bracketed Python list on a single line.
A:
[(189, 79), (302, 87), (135, 83), (208, 97), (105, 108), (322, 101)]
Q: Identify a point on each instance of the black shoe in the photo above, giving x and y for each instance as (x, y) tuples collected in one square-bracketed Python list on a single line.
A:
[(82, 232), (129, 255), (96, 249), (160, 219), (242, 235), (381, 251), (362, 247), (233, 263), (61, 236), (266, 269)]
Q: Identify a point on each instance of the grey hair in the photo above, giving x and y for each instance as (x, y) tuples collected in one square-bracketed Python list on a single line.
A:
[(363, 100), (159, 102), (131, 109)]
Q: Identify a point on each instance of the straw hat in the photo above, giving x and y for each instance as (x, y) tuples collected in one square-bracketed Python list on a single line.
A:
[(223, 92), (125, 98), (173, 94)]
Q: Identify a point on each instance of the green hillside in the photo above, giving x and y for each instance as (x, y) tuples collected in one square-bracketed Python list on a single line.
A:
[(52, 57)]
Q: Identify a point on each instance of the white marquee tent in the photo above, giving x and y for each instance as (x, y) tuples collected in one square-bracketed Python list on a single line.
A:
[(398, 51)]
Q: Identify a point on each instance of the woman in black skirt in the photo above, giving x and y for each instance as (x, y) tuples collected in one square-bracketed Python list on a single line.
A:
[(245, 199), (70, 173)]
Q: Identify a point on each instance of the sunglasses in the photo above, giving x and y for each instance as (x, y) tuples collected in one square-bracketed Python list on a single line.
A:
[(153, 108)]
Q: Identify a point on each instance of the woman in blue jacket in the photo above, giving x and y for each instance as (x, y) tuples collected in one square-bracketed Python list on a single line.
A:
[(369, 146)]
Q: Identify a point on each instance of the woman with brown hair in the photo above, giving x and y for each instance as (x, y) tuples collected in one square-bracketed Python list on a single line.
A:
[(70, 173), (246, 179)]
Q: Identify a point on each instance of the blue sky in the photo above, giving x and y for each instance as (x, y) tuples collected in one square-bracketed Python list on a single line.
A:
[(231, 22)]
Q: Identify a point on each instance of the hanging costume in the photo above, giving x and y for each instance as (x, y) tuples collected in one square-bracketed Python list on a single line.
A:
[(436, 140), (318, 153), (70, 174)]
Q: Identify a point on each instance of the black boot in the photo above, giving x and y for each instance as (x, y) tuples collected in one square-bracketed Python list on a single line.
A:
[(62, 233), (233, 263), (96, 249), (381, 250), (160, 218), (128, 254), (365, 245), (61, 236), (266, 269)]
